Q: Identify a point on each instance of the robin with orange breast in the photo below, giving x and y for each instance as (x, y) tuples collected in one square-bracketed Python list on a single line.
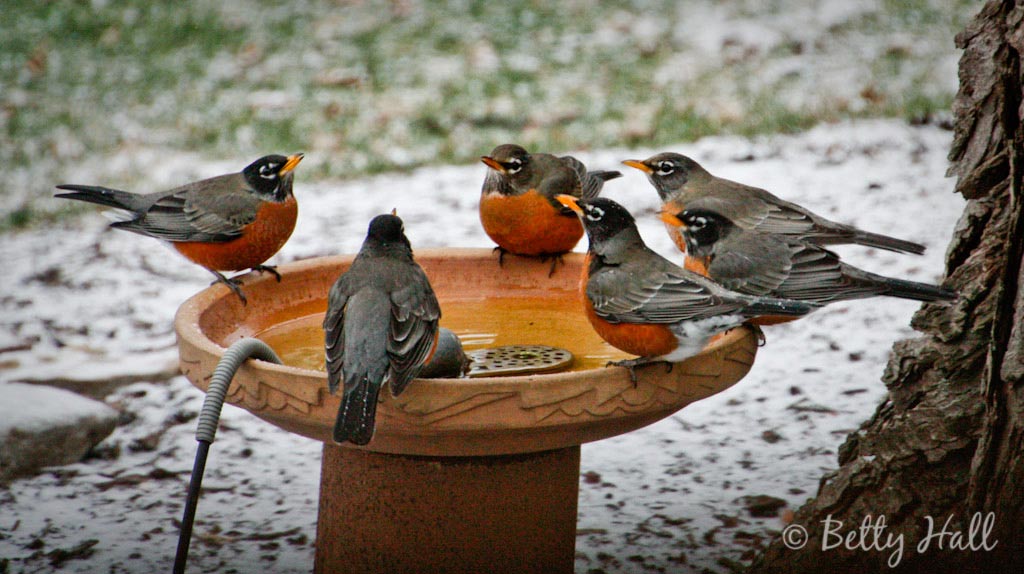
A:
[(518, 209), (774, 265), (683, 184), (381, 327), (230, 222), (644, 304)]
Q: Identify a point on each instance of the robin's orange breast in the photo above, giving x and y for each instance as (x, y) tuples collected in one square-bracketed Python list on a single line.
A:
[(643, 340), (528, 224), (677, 236), (433, 347), (259, 241), (698, 265), (767, 320)]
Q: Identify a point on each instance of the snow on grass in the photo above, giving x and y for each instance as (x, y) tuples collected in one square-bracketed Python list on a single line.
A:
[(382, 86), (666, 497)]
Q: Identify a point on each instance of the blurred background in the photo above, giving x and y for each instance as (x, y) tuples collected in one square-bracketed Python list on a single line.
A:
[(101, 91)]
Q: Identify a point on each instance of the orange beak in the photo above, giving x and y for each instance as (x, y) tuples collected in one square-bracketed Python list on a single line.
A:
[(293, 160), (493, 163), (635, 163), (570, 202), (672, 220)]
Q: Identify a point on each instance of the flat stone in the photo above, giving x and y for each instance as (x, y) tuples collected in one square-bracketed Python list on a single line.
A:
[(44, 426)]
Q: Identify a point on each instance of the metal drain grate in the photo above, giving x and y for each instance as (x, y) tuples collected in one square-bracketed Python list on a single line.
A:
[(518, 360)]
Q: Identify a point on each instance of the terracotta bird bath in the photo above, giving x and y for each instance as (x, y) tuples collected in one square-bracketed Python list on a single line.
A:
[(462, 475)]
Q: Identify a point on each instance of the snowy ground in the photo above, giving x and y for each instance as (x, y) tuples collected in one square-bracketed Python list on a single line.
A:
[(84, 303)]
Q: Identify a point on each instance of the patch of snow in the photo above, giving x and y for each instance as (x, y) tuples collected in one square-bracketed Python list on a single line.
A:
[(33, 408)]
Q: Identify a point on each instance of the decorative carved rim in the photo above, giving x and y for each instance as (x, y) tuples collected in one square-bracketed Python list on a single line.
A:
[(447, 417)]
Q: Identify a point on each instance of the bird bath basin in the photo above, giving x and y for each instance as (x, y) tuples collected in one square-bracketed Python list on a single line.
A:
[(462, 475)]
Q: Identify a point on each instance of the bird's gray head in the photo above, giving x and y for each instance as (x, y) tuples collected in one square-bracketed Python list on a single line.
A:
[(668, 172)]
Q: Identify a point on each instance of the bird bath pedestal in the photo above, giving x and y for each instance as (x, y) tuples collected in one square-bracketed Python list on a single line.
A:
[(462, 475)]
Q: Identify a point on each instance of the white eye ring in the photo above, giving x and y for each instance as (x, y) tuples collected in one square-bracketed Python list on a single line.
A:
[(517, 165), (594, 213), (666, 168), (268, 171)]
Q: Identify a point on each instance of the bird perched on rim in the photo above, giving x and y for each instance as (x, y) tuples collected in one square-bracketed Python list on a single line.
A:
[(644, 304), (683, 184), (230, 222), (774, 265), (518, 209), (380, 327)]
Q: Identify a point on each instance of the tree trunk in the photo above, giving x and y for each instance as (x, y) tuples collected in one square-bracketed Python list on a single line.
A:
[(949, 441)]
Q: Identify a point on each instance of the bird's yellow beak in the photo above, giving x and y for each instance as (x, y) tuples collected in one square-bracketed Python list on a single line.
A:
[(293, 160), (570, 202), (635, 163), (672, 220), (493, 163)]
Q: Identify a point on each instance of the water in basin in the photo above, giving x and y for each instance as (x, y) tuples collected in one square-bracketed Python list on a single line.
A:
[(556, 321)]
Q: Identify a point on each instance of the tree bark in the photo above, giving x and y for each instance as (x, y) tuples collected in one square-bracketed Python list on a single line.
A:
[(949, 440)]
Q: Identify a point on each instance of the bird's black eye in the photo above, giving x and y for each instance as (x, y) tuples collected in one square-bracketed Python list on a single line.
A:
[(513, 165), (594, 213), (269, 171), (666, 168)]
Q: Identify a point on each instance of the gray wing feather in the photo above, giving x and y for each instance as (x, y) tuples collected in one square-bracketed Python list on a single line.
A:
[(669, 296)]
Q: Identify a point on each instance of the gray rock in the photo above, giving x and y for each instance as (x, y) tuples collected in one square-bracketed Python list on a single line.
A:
[(43, 426)]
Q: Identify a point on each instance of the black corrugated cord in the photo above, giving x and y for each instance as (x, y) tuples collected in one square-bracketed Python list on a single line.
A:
[(209, 418)]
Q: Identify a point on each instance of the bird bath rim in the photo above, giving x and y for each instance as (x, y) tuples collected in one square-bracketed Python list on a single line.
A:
[(447, 417)]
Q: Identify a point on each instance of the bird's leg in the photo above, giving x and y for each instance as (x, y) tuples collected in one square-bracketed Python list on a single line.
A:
[(232, 283), (555, 260), (761, 340), (272, 269), (501, 255), (632, 364)]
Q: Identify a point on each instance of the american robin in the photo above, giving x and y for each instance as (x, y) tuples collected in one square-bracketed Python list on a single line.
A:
[(380, 327), (229, 222), (449, 360), (644, 304), (517, 202), (683, 184), (773, 265)]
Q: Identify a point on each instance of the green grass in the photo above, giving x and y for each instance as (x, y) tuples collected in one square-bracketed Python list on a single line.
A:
[(377, 86)]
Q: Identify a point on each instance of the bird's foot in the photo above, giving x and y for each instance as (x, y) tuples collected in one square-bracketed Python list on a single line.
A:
[(231, 283), (555, 260), (272, 269)]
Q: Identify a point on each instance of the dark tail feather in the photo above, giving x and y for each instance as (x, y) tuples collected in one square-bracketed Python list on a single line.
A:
[(594, 182), (888, 243), (917, 291), (606, 175), (100, 195), (357, 414), (778, 307)]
